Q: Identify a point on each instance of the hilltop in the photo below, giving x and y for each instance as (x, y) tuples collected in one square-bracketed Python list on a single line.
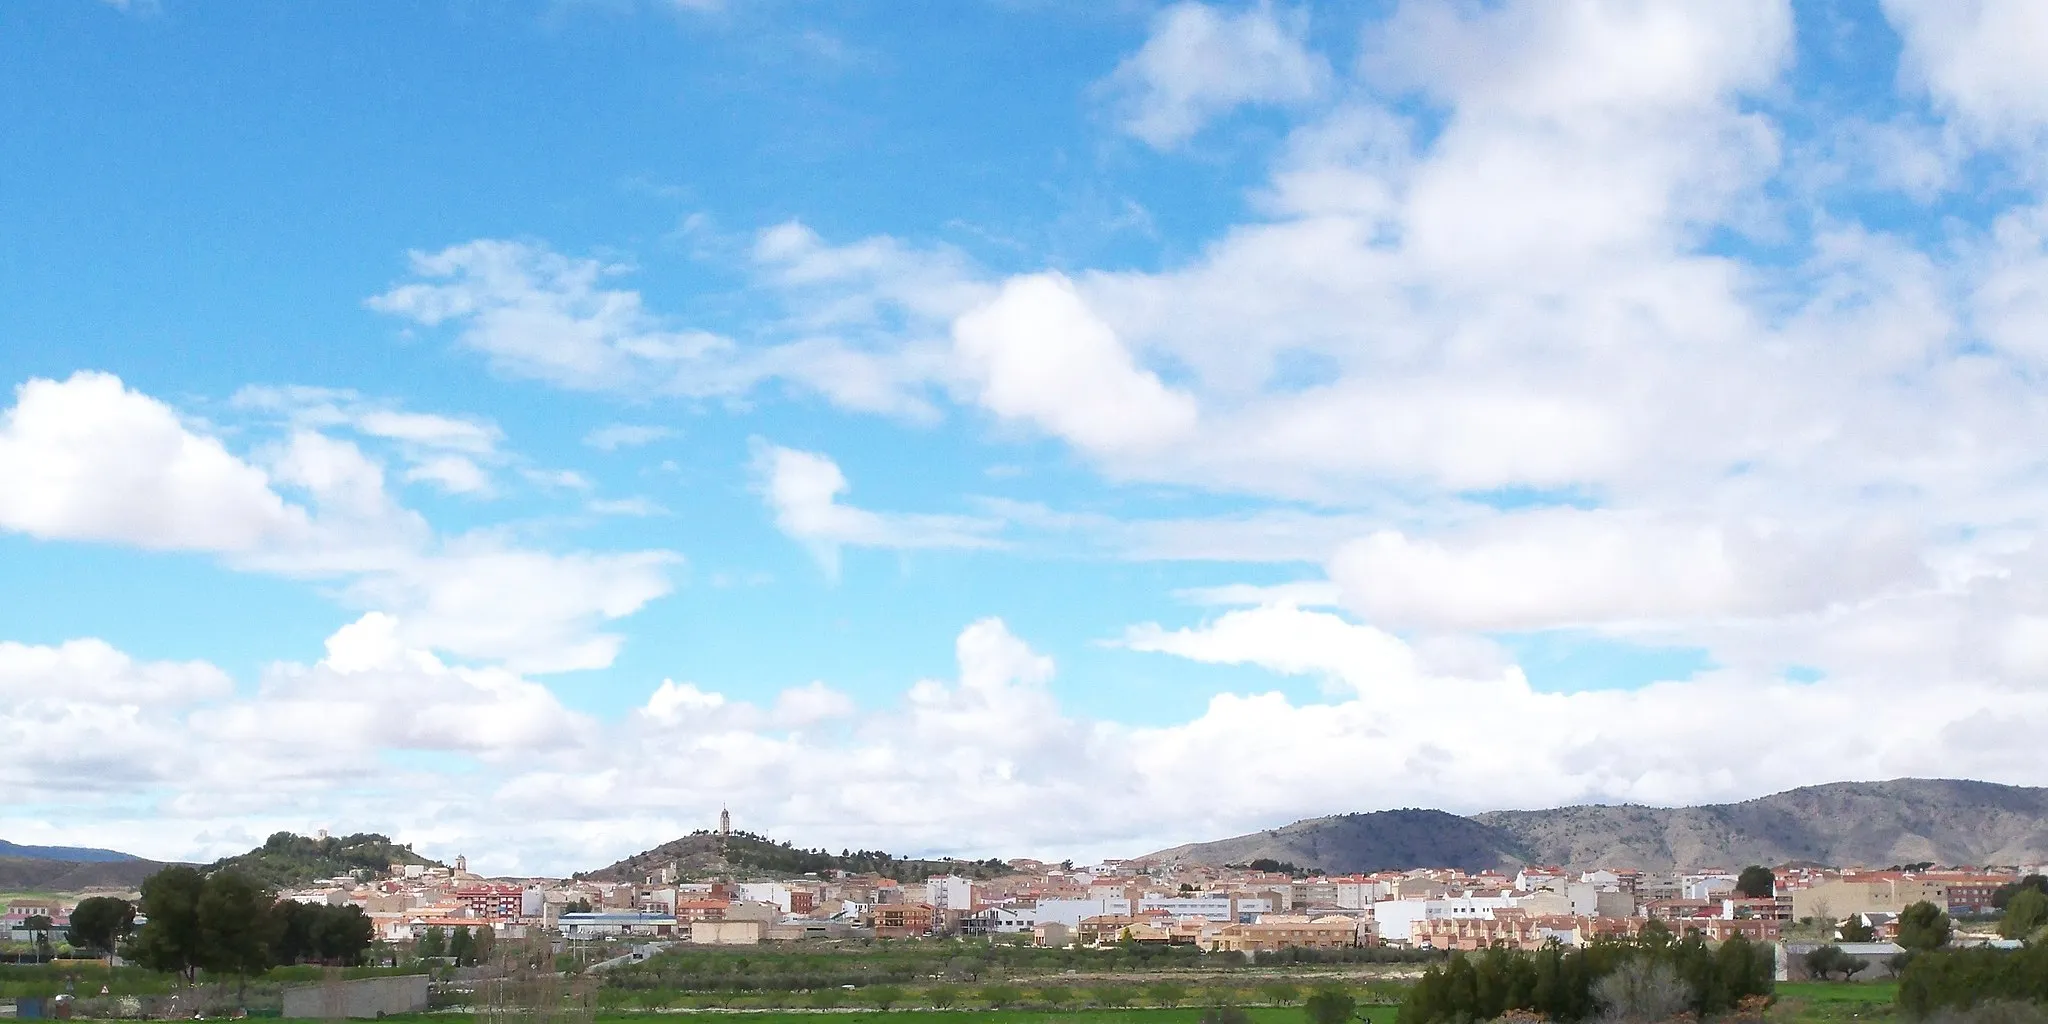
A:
[(286, 860), (1849, 823), (743, 855)]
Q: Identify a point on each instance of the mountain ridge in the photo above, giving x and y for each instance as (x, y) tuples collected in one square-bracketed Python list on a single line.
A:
[(1896, 821), (72, 854)]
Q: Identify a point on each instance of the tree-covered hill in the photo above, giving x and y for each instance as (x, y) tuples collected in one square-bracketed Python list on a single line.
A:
[(286, 860), (743, 856)]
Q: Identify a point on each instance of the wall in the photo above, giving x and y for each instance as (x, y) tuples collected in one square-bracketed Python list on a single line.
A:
[(370, 997)]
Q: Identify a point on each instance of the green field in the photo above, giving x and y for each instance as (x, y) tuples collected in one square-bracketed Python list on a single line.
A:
[(1177, 1015), (1823, 1002)]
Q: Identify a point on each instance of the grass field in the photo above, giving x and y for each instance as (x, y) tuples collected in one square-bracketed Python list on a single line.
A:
[(1821, 1002), (1176, 1015)]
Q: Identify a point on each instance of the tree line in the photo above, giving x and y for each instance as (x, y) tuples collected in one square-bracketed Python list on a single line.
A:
[(1653, 977), (228, 923)]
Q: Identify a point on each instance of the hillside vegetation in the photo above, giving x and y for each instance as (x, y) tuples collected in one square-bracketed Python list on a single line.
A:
[(744, 856), (285, 860), (27, 874), (1848, 823)]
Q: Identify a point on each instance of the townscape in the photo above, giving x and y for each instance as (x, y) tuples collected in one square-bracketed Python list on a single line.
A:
[(1792, 923)]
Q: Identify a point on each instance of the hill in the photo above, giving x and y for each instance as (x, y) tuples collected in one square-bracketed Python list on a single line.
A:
[(743, 856), (286, 860), (37, 874), (1846, 823), (75, 854), (1378, 841)]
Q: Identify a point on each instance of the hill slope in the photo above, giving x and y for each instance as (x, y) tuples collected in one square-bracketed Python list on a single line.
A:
[(745, 856), (1379, 841), (35, 874), (75, 854), (285, 860), (1846, 823)]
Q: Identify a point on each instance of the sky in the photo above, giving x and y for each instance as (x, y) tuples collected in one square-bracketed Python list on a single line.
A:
[(1008, 427)]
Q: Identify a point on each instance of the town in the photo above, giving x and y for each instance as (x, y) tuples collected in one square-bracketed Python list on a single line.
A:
[(1252, 908)]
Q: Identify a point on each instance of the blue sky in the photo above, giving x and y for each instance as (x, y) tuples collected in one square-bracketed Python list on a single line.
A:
[(985, 428)]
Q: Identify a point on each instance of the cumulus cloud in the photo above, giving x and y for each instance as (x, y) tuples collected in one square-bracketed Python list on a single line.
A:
[(1398, 723), (1566, 567), (90, 459), (87, 458), (1037, 353), (1985, 61), (1199, 62), (803, 490)]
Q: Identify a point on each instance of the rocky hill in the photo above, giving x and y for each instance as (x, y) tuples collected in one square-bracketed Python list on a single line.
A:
[(1869, 823), (743, 856)]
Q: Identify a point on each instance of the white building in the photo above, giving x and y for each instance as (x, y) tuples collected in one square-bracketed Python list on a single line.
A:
[(1072, 912), (1397, 918), (949, 892), (1225, 909)]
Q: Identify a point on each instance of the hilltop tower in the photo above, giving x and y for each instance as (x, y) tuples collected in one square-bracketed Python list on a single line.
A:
[(724, 822)]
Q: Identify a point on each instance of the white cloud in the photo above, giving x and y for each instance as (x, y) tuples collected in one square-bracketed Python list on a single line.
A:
[(1037, 353), (1200, 62), (541, 315), (803, 489), (1565, 567), (89, 459), (625, 435), (453, 474), (1983, 61)]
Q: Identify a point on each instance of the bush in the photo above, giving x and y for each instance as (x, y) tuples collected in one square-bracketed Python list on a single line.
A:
[(1166, 993), (1566, 985), (999, 997), (1642, 991), (1959, 979)]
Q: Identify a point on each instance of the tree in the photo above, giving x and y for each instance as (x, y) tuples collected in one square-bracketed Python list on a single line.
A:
[(884, 996), (941, 996), (101, 923), (2024, 913), (2004, 896), (1330, 1005), (578, 905), (1756, 882), (1923, 926), (433, 943), (1855, 929), (1280, 993), (483, 944), (1112, 995), (237, 927), (1166, 993), (39, 925), (1000, 997), (1643, 990), (171, 942), (1823, 962), (1055, 996)]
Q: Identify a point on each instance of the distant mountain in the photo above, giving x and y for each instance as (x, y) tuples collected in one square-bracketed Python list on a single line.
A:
[(1378, 841), (743, 856), (1846, 823), (78, 854), (286, 860), (33, 874)]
